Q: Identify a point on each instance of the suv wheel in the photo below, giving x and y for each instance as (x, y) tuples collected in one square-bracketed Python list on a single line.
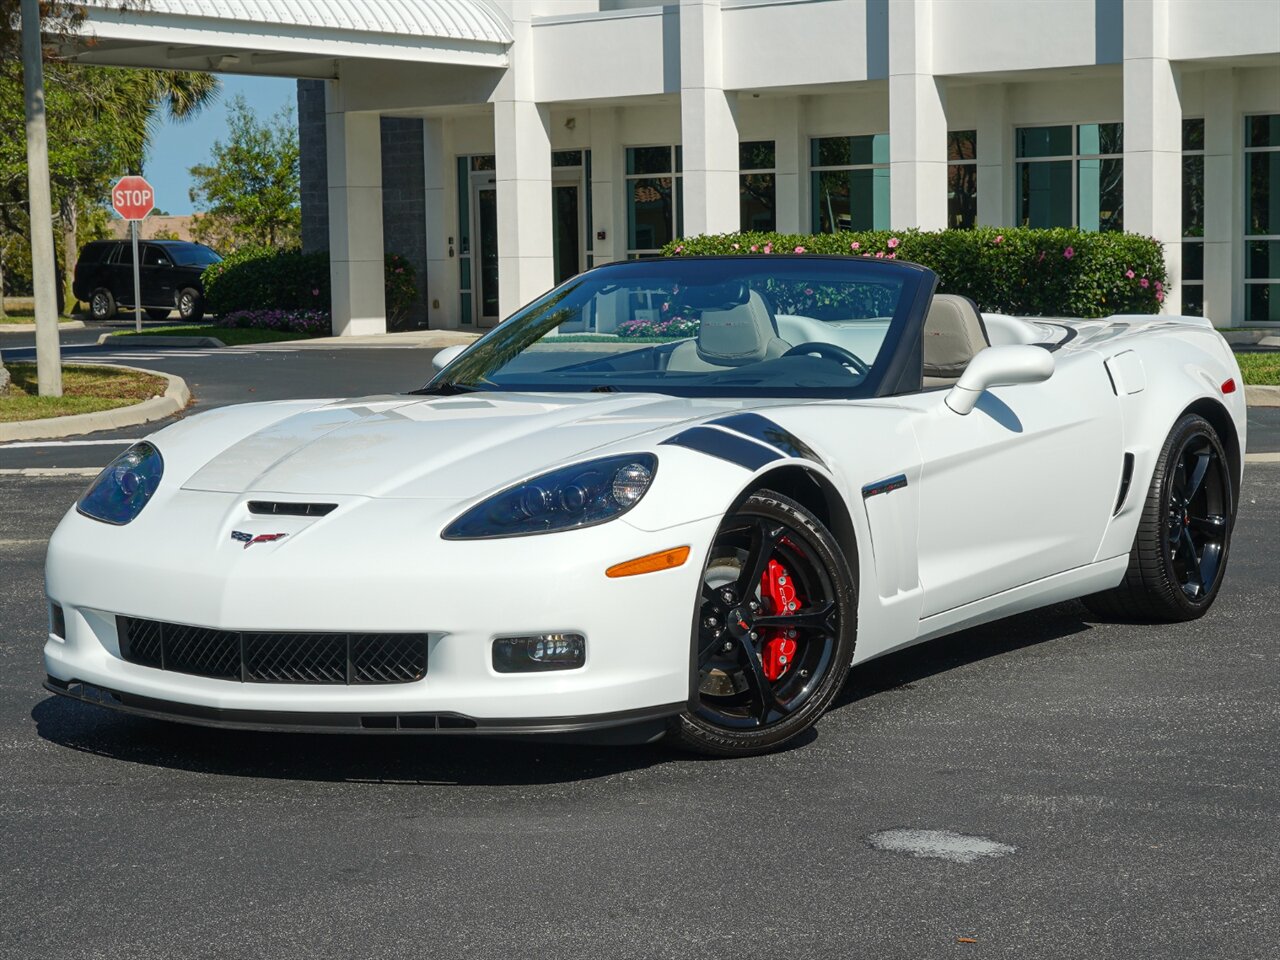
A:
[(190, 304), (102, 305)]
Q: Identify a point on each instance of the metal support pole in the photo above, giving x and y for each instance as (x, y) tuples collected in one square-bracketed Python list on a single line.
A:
[(137, 283), (48, 350)]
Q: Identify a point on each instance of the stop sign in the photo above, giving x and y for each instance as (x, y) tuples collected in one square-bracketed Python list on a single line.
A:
[(133, 198)]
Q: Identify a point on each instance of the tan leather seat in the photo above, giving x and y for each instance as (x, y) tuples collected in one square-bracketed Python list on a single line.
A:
[(953, 333), (731, 336)]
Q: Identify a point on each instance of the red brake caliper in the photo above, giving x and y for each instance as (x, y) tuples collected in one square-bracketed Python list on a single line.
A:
[(779, 593)]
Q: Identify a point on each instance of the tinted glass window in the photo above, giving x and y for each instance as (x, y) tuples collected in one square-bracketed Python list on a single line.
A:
[(192, 254), (155, 257)]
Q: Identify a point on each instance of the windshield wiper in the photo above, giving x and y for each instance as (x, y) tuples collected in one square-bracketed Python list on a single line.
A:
[(447, 389)]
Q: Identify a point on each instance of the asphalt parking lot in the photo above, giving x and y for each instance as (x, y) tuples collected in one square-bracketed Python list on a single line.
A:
[(1114, 785)]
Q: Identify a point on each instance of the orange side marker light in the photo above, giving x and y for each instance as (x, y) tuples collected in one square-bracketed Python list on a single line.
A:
[(650, 563)]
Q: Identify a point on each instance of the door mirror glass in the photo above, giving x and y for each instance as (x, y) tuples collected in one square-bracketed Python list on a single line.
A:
[(1001, 366)]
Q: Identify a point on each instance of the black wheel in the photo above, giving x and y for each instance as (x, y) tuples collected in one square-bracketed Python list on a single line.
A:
[(1184, 536), (102, 305), (776, 626), (190, 304), (156, 313)]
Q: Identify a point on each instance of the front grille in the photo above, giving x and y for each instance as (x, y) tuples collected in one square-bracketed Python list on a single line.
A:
[(331, 658)]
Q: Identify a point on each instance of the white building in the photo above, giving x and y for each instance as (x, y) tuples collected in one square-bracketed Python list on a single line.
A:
[(557, 134)]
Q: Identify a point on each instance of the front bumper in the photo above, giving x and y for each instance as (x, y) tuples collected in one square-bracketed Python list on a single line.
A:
[(651, 719), (181, 566)]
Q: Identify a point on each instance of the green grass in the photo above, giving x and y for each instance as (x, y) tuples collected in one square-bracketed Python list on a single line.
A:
[(84, 390), (231, 336), (26, 316), (1260, 369)]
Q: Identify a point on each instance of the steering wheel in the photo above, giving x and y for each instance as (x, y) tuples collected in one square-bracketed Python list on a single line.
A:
[(830, 351)]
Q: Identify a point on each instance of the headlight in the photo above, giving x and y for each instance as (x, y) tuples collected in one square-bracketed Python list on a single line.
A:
[(578, 496), (125, 486)]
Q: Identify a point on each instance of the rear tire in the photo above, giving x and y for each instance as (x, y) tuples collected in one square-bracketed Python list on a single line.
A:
[(191, 304), (102, 305), (1184, 536), (740, 638)]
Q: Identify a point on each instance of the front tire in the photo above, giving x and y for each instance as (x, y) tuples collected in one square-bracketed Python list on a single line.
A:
[(775, 631), (1184, 536), (191, 304)]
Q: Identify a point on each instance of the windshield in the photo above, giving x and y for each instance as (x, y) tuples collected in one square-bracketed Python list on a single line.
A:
[(192, 254), (728, 326)]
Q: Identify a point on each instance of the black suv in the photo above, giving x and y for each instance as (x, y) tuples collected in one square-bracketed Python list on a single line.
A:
[(169, 275)]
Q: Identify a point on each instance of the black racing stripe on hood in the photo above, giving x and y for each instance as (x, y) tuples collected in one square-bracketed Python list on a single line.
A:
[(725, 446), (766, 431)]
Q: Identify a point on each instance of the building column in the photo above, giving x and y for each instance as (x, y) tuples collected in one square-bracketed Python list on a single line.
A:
[(354, 158), (917, 121), (522, 152), (1223, 223), (442, 270), (708, 124), (606, 184), (792, 159), (995, 163), (1153, 137)]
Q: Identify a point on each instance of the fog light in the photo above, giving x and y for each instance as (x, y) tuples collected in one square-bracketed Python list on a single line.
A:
[(57, 621), (547, 651)]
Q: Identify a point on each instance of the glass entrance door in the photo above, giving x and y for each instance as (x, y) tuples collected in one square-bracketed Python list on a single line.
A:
[(485, 230), (567, 211)]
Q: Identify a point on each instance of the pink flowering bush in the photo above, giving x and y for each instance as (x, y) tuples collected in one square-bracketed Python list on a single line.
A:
[(668, 328), (312, 323), (1020, 270)]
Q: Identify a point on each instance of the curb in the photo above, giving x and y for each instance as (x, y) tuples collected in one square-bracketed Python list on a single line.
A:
[(1261, 396), (159, 340), (176, 397), (31, 327)]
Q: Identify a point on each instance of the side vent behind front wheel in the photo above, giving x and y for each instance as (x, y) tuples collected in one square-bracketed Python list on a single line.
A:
[(1126, 477)]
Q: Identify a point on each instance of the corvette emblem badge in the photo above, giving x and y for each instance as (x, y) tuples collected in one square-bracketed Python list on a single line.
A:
[(248, 539)]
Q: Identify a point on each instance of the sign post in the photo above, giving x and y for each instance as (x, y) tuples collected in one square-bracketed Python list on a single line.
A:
[(132, 198)]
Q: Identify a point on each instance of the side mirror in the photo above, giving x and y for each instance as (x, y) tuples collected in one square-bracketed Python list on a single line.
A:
[(999, 367), (446, 356)]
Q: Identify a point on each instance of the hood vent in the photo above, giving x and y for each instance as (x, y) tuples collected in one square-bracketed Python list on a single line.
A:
[(291, 509)]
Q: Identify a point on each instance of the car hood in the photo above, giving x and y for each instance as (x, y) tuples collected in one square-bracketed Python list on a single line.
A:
[(439, 447)]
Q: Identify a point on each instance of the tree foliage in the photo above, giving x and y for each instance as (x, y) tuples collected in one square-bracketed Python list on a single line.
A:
[(250, 191)]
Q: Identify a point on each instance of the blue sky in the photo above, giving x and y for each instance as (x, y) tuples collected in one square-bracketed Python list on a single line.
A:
[(178, 146)]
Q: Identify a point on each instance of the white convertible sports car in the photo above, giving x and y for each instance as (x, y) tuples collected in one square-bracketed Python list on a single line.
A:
[(806, 463)]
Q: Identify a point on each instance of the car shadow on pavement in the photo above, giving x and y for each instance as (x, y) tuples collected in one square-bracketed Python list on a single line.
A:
[(476, 761), (901, 670), (335, 758)]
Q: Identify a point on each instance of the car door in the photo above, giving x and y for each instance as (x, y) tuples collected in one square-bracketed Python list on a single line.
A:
[(1019, 489), (122, 274), (157, 277)]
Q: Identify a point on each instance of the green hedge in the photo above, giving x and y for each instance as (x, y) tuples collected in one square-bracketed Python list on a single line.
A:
[(1057, 272), (266, 278)]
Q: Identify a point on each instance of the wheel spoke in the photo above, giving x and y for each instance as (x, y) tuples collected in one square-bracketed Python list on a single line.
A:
[(1187, 550), (761, 689), (1197, 474), (764, 537), (815, 618), (1214, 525)]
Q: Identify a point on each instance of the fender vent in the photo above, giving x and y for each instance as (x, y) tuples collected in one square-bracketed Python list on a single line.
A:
[(286, 509), (1126, 477)]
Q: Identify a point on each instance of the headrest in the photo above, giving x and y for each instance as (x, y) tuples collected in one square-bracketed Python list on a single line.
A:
[(736, 334), (953, 333)]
